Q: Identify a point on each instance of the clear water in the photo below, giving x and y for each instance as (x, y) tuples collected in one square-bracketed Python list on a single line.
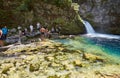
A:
[(110, 46)]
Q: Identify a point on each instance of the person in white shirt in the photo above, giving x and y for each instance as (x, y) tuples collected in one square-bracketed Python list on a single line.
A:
[(19, 27), (38, 26), (31, 28)]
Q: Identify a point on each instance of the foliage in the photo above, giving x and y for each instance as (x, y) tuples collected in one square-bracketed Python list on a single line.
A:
[(25, 6), (71, 28), (60, 3), (4, 17), (80, 1), (59, 21), (1, 4), (47, 12)]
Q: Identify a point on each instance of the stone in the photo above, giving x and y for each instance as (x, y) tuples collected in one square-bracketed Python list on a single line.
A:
[(55, 64), (6, 67), (93, 58), (34, 67), (50, 58), (77, 63), (13, 30)]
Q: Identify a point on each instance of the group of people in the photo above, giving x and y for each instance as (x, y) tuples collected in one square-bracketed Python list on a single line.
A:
[(43, 30), (26, 31), (3, 35), (44, 33)]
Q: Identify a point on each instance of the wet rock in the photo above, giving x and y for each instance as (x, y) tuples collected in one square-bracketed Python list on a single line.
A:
[(13, 30), (12, 39)]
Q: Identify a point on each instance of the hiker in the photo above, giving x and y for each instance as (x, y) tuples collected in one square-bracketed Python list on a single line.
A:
[(38, 26), (4, 32), (26, 31), (31, 28), (20, 35), (1, 41), (19, 27), (42, 33), (53, 30), (47, 33)]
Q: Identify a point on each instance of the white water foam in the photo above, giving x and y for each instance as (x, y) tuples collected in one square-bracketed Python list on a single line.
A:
[(107, 36), (88, 27), (91, 32)]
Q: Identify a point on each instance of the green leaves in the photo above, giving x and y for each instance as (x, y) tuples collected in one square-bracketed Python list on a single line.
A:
[(60, 3), (25, 6)]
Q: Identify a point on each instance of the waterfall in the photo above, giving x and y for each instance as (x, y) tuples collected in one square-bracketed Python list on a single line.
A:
[(88, 27), (91, 32)]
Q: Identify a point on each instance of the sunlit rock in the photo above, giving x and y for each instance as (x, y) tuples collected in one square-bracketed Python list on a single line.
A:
[(93, 58), (6, 67), (49, 58), (77, 63)]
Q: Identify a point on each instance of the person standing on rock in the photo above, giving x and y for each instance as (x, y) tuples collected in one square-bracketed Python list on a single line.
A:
[(42, 33), (19, 27), (5, 32), (20, 35), (1, 40), (38, 26), (31, 28)]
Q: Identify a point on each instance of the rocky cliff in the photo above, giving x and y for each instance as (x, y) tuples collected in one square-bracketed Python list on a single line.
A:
[(104, 15)]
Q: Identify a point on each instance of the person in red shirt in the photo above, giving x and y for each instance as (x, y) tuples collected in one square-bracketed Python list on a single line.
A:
[(42, 33), (1, 41)]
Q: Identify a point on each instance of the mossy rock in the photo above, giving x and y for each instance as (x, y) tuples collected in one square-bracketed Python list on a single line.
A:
[(34, 67), (6, 67), (77, 63), (73, 28), (49, 58), (55, 76), (93, 58)]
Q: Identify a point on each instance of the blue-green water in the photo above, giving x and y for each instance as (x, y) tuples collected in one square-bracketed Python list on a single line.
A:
[(108, 46)]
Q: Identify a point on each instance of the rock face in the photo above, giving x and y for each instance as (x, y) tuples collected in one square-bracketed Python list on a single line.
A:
[(102, 14)]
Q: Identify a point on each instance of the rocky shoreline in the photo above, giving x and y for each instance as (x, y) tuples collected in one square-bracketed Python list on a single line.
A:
[(49, 59)]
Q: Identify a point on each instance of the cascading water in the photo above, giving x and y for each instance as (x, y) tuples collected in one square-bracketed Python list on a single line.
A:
[(91, 32), (88, 27), (109, 43)]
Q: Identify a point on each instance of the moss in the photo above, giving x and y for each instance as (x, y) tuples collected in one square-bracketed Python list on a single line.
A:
[(72, 28), (55, 76), (34, 67)]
